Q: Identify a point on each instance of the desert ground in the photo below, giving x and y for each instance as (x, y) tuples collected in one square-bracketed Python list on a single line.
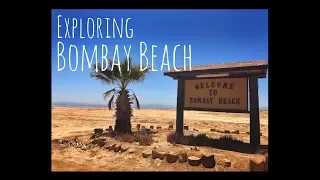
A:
[(80, 122)]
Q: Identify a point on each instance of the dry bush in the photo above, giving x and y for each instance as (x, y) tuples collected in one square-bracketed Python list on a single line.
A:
[(172, 137), (224, 142), (143, 139), (125, 138), (136, 137)]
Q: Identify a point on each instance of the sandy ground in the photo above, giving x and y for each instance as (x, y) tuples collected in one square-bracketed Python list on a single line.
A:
[(80, 122)]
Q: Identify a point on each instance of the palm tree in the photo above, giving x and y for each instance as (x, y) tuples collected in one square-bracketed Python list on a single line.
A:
[(122, 96)]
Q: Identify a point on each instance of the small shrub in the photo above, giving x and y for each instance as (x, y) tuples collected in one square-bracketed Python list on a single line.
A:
[(228, 139), (125, 138), (136, 137), (224, 142), (172, 137), (201, 139), (145, 140)]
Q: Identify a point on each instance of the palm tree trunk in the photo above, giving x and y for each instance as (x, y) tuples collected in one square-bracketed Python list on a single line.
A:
[(123, 112)]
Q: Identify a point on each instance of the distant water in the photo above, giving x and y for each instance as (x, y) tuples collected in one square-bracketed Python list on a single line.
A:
[(146, 106), (85, 105), (78, 105), (264, 108)]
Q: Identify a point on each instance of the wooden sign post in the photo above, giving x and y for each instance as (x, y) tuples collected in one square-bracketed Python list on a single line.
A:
[(221, 88)]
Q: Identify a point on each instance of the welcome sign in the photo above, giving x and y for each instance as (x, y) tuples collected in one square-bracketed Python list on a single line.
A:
[(218, 94)]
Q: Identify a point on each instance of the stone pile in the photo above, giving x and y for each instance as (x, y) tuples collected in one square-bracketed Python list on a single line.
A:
[(207, 160), (147, 131)]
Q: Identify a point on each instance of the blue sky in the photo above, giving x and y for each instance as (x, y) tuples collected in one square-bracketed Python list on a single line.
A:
[(215, 36)]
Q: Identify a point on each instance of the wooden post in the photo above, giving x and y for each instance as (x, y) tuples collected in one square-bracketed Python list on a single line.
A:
[(254, 113), (180, 105)]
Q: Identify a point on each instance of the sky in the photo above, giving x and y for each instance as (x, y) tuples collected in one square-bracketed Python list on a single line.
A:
[(215, 36)]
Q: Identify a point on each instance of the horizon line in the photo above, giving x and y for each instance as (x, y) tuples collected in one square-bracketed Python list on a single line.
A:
[(142, 106)]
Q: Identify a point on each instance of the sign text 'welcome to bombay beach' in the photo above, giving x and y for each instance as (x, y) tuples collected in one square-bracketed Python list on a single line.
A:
[(222, 93)]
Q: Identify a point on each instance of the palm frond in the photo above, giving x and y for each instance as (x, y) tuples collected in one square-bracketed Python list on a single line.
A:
[(103, 75), (110, 102), (136, 75), (107, 93), (137, 101)]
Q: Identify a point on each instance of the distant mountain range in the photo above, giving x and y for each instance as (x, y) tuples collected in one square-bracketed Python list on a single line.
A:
[(143, 106)]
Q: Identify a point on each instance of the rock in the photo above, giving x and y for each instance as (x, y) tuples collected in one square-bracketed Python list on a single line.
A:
[(65, 141), (102, 138), (143, 127), (260, 134), (101, 143), (194, 161), (78, 145), (112, 134), (112, 147), (257, 165), (154, 154), (161, 155), (158, 127), (248, 133), (64, 145), (186, 127), (183, 157), (72, 143), (146, 153), (91, 145), (124, 148), (110, 128), (131, 151), (147, 131), (94, 136), (138, 126), (235, 131), (195, 148), (98, 131), (95, 141), (227, 163), (154, 131), (195, 129), (170, 127), (151, 127), (208, 161), (212, 130), (226, 131), (84, 147), (76, 139), (172, 157), (107, 147), (117, 148)]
